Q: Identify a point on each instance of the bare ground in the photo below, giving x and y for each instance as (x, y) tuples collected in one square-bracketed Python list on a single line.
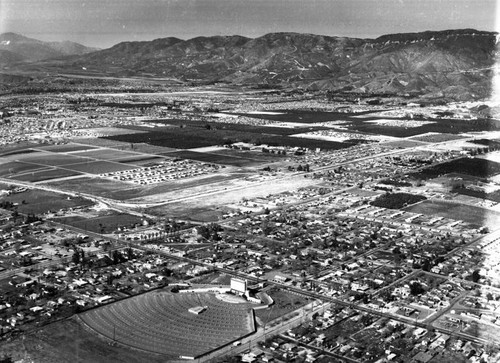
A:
[(67, 341)]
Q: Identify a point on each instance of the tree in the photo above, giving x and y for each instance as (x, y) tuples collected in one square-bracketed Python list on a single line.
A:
[(6, 359), (130, 253), (416, 288), (313, 270), (210, 231), (426, 265), (366, 320), (76, 257), (116, 256), (109, 279), (475, 276)]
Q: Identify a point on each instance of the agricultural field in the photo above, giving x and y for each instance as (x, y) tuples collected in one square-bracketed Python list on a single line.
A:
[(365, 122), (105, 154), (241, 127), (440, 126), (178, 139), (403, 143), (301, 116), (22, 148), (160, 322), (44, 175), (100, 142), (196, 137), (99, 167), (435, 137), (16, 167), (66, 148), (495, 144), (126, 146), (217, 159), (141, 160), (253, 155), (54, 159)]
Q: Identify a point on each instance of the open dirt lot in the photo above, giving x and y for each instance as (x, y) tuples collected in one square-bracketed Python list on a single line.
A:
[(67, 341)]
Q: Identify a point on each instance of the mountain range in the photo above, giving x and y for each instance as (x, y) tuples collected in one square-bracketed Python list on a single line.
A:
[(16, 48), (454, 63)]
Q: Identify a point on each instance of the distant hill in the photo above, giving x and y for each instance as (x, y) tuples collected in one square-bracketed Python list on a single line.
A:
[(16, 48), (453, 63)]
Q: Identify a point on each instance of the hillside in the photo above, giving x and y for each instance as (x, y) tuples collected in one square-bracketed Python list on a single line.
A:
[(454, 63), (16, 48)]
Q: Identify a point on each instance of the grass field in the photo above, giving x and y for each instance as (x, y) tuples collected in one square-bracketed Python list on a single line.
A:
[(212, 278), (284, 303), (102, 224), (41, 201), (474, 215), (99, 187), (494, 196)]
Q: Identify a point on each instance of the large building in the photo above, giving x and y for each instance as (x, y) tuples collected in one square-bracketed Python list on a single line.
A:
[(238, 286)]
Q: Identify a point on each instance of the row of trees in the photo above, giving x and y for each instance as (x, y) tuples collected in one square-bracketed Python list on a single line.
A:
[(115, 257)]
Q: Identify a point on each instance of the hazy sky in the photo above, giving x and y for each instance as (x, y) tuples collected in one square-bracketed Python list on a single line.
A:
[(103, 23)]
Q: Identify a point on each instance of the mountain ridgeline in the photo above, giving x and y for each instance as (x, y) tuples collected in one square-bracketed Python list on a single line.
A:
[(454, 63), (17, 48)]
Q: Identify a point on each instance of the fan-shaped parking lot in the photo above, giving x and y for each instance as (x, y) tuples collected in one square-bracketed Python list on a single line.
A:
[(161, 322)]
